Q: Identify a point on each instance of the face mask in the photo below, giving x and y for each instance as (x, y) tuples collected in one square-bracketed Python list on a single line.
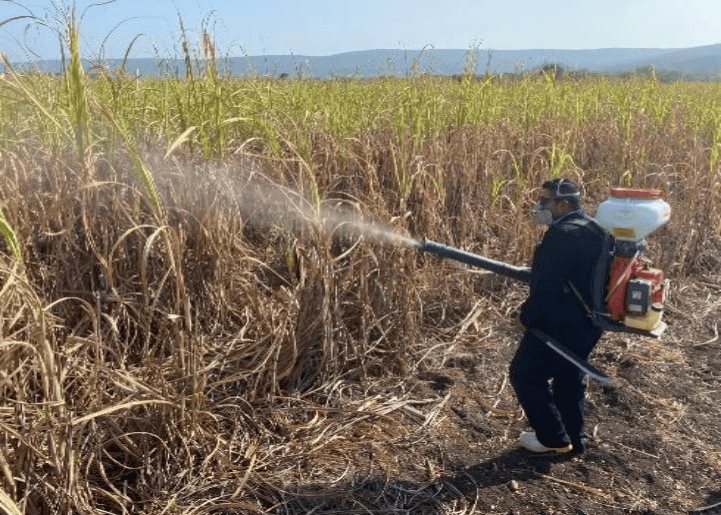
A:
[(541, 215)]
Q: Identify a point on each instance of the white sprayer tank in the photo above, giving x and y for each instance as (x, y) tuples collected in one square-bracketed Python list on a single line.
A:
[(632, 214)]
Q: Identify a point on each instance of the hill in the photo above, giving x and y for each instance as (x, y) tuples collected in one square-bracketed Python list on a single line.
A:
[(697, 62)]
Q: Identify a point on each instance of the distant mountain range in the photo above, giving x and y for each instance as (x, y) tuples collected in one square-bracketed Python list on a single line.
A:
[(696, 62)]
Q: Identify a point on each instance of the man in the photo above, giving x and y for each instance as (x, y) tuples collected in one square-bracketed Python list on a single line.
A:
[(550, 389)]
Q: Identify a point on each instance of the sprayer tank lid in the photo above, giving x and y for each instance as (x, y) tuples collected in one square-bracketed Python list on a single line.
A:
[(637, 193)]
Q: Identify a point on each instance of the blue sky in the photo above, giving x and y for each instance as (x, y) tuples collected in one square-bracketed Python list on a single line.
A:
[(323, 27)]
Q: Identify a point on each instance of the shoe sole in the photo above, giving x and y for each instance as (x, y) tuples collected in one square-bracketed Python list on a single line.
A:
[(551, 452)]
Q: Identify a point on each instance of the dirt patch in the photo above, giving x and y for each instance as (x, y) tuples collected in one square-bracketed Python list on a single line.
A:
[(654, 434)]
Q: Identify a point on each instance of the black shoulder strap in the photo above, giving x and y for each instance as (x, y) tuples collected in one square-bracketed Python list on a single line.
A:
[(595, 306), (589, 223)]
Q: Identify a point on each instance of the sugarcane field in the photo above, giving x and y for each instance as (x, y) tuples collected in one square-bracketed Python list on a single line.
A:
[(263, 295)]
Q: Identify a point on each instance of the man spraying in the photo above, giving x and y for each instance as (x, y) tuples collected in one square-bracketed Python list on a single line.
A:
[(587, 276), (549, 388)]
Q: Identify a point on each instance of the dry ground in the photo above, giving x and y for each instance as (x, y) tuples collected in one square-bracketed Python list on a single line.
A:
[(444, 440)]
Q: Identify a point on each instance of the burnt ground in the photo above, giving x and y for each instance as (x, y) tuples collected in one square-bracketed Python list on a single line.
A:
[(443, 438)]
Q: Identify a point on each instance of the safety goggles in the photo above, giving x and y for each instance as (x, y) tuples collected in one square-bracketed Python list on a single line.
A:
[(557, 195)]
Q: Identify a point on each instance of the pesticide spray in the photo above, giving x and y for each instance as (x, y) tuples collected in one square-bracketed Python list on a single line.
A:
[(262, 202)]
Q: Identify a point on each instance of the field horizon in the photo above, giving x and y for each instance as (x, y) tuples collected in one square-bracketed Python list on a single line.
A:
[(692, 63)]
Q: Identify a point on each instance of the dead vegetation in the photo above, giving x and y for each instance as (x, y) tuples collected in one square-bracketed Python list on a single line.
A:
[(211, 362)]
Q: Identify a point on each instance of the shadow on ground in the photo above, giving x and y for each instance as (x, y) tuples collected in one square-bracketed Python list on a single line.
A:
[(468, 487)]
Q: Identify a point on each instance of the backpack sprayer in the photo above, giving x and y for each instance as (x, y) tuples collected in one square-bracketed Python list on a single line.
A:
[(630, 292), (635, 292)]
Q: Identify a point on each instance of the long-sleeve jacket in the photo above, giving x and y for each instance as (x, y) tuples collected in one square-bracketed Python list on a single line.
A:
[(568, 253)]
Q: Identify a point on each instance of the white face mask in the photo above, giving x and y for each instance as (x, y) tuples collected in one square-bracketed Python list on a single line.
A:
[(541, 215)]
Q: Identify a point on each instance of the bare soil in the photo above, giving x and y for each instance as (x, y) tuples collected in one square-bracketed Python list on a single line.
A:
[(446, 441)]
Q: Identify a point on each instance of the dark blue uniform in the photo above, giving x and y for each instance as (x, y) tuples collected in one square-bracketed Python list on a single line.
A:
[(568, 253)]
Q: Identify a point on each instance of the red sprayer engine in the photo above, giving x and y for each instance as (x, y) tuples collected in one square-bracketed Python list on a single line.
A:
[(635, 291)]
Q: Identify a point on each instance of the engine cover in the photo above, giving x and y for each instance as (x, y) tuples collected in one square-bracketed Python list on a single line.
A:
[(635, 292)]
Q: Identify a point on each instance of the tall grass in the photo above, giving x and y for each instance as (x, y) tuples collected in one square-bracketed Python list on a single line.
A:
[(75, 89), (171, 331)]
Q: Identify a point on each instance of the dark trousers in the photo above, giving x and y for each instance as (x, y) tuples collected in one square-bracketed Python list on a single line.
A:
[(551, 390)]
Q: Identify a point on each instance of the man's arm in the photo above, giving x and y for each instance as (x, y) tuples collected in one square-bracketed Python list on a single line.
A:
[(556, 260)]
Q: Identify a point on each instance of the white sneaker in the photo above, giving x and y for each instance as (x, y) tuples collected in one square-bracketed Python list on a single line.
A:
[(529, 441)]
